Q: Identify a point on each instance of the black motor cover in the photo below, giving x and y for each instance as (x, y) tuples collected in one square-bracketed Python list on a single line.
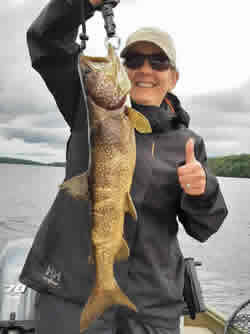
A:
[(17, 302)]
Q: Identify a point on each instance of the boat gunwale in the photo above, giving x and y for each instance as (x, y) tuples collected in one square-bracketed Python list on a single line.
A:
[(212, 320)]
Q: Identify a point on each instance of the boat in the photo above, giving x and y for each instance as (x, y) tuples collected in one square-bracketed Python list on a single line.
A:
[(208, 322), (17, 301)]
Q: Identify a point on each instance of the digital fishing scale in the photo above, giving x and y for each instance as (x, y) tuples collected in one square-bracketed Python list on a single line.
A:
[(108, 15)]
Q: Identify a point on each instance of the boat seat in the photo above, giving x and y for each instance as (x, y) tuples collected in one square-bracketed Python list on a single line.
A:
[(196, 330)]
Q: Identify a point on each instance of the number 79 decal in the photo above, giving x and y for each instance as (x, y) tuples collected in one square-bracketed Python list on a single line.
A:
[(14, 289)]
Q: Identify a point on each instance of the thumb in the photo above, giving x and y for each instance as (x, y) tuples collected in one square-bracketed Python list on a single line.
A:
[(190, 155)]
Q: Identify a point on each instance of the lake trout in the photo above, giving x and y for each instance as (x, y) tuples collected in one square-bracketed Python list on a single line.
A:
[(108, 181)]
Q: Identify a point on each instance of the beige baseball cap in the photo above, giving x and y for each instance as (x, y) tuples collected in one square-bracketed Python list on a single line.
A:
[(153, 35)]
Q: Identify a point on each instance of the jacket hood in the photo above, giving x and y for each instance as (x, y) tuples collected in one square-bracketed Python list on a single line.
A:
[(182, 117), (162, 118)]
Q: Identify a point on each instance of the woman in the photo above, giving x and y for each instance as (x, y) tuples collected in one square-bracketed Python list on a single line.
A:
[(171, 180)]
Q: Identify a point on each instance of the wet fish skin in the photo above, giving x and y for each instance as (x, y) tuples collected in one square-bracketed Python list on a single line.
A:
[(109, 180)]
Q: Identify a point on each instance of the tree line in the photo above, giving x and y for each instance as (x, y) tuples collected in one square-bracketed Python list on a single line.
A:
[(231, 166), (228, 166)]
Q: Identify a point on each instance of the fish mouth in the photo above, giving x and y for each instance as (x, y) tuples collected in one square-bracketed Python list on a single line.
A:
[(107, 82)]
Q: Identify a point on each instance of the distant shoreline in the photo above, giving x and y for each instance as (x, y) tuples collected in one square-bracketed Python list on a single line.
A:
[(15, 161), (227, 166)]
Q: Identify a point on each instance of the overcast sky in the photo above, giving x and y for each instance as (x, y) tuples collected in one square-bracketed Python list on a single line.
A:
[(213, 52)]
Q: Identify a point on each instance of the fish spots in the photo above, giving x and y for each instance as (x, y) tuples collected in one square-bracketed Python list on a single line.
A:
[(104, 91), (106, 255), (108, 151), (113, 156), (105, 227)]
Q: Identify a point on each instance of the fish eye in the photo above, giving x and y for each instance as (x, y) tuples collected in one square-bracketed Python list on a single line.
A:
[(87, 70)]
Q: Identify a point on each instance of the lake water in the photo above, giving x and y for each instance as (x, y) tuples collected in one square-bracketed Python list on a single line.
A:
[(27, 192)]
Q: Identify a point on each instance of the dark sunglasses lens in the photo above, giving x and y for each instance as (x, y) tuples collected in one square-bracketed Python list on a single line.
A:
[(134, 61), (159, 63)]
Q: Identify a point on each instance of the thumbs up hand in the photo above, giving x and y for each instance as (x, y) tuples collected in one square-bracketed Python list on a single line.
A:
[(192, 176)]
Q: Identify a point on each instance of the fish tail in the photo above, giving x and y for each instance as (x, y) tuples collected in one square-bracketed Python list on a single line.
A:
[(99, 301)]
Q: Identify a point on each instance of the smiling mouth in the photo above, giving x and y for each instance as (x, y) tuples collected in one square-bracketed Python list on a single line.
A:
[(145, 84)]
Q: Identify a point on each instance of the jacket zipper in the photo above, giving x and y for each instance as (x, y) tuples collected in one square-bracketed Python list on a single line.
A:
[(153, 149)]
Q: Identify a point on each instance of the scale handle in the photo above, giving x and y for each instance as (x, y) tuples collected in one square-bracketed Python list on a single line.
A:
[(108, 16)]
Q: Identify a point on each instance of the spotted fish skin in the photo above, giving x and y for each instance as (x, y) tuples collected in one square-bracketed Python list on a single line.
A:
[(113, 158)]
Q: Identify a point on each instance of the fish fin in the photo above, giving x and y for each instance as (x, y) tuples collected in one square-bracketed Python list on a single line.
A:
[(139, 122), (130, 208), (123, 252), (99, 301), (77, 186)]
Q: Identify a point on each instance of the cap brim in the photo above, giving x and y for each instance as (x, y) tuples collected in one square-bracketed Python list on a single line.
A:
[(125, 51)]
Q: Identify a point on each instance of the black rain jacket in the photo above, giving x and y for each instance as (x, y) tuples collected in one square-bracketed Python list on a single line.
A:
[(153, 277)]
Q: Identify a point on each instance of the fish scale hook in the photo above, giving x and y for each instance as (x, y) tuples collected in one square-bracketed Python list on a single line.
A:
[(108, 15), (110, 27)]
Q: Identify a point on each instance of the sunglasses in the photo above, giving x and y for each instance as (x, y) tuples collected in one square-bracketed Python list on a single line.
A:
[(158, 62)]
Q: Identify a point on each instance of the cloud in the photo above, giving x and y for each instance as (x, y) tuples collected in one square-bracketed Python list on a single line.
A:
[(31, 125), (39, 151), (55, 138), (222, 119)]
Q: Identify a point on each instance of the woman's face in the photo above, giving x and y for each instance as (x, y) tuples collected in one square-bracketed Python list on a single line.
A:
[(150, 86)]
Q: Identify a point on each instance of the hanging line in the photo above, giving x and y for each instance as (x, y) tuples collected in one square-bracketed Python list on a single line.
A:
[(83, 37)]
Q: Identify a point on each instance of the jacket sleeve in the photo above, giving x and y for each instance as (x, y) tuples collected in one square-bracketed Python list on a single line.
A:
[(202, 215), (53, 50)]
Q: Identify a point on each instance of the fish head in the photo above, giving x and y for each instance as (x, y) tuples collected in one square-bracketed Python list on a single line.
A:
[(106, 80)]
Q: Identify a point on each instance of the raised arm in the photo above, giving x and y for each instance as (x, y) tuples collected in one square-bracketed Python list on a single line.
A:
[(53, 50), (202, 215)]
